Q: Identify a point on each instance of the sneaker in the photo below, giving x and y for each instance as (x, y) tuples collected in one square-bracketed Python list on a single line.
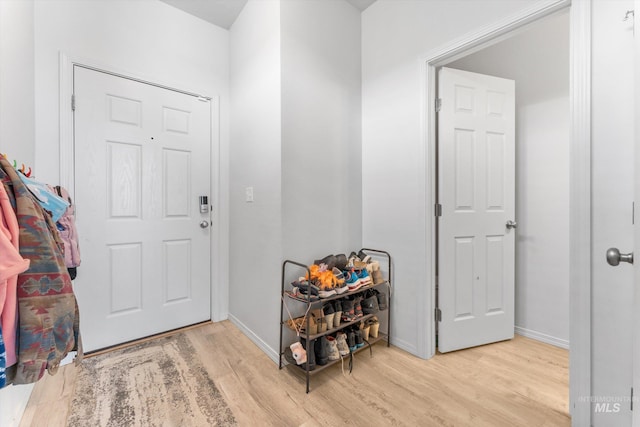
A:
[(326, 293), (348, 310), (341, 286), (322, 351), (357, 306), (363, 276), (337, 307), (341, 343), (332, 348), (369, 303), (352, 280)]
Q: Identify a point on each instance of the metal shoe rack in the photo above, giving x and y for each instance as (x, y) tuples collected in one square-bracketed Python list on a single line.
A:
[(307, 304)]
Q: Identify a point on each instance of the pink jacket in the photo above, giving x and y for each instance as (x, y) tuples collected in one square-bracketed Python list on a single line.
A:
[(68, 232)]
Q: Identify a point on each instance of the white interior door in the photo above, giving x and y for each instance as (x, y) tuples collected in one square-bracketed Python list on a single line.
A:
[(142, 160), (476, 188)]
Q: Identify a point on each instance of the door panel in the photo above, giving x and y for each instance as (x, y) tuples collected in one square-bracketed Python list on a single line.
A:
[(142, 158), (476, 188)]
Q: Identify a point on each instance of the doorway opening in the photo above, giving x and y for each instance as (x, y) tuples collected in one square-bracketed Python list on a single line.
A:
[(537, 58)]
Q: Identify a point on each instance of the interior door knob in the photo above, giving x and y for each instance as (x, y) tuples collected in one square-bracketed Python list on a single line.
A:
[(511, 224), (204, 224), (614, 257)]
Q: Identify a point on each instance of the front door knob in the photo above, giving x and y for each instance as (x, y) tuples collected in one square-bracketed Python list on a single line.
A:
[(204, 224), (614, 257), (511, 224)]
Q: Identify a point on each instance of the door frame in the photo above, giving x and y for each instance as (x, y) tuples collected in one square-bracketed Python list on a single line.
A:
[(635, 415), (579, 187), (218, 280)]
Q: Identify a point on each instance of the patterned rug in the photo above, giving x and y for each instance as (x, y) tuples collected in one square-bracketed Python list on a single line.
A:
[(157, 383)]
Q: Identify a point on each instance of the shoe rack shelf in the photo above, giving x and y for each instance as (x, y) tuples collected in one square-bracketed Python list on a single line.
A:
[(308, 303)]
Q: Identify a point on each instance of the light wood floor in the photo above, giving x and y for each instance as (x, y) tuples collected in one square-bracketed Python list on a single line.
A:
[(514, 383)]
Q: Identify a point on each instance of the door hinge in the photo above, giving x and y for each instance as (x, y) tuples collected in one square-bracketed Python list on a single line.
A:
[(632, 398), (438, 104), (438, 209), (438, 314), (73, 102)]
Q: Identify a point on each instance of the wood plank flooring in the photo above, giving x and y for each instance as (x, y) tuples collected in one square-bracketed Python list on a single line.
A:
[(521, 382)]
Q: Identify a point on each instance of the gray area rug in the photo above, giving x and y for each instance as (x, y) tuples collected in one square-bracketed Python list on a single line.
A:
[(158, 383)]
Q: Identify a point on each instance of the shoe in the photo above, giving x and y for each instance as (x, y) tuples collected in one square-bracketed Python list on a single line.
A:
[(341, 261), (358, 338), (322, 293), (329, 261), (332, 348), (365, 328), (341, 285), (369, 303), (322, 325), (357, 307), (311, 359), (374, 326), (304, 287), (337, 307), (322, 351), (382, 299), (329, 314), (352, 280), (351, 340), (364, 257), (298, 353), (348, 310), (363, 276), (341, 343)]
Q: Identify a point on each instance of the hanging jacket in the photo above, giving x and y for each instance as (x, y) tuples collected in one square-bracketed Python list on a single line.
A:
[(48, 312), (68, 232)]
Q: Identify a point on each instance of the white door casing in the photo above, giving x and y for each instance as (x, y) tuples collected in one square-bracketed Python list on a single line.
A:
[(476, 188), (142, 159), (636, 266)]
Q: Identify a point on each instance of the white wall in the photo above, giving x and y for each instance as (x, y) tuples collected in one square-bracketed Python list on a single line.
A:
[(321, 138), (295, 120), (395, 36), (17, 99), (146, 38), (255, 250), (538, 61), (17, 118), (612, 195)]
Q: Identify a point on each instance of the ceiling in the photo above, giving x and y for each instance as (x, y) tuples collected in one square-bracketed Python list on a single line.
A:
[(223, 13)]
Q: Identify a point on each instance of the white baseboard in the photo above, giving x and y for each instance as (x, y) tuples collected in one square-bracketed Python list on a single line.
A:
[(539, 336), (405, 345), (273, 355)]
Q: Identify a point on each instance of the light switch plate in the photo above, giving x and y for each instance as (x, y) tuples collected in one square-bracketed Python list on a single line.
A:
[(248, 192)]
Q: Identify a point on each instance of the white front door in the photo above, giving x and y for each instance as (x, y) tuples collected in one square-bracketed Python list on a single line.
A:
[(142, 160), (476, 189)]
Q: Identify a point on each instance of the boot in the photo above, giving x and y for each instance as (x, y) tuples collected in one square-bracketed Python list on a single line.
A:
[(321, 348), (337, 307), (311, 359)]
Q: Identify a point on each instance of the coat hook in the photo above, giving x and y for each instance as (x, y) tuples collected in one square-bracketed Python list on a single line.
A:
[(28, 174), (15, 165), (629, 13)]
